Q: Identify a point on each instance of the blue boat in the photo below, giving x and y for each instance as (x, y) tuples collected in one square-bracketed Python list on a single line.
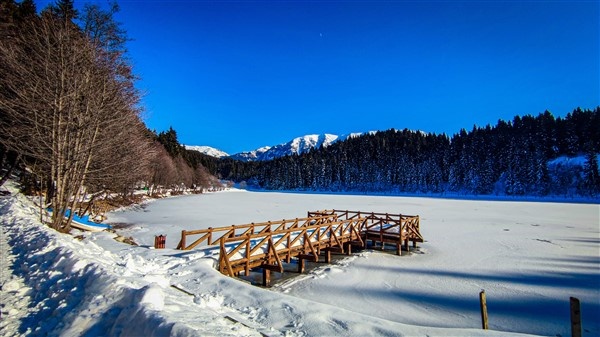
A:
[(84, 222)]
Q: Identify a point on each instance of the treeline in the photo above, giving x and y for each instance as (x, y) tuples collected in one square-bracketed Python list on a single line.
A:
[(178, 169), (69, 112), (518, 157)]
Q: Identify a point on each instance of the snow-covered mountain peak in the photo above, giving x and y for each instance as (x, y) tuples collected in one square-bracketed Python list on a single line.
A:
[(251, 155), (207, 150), (298, 145), (303, 144)]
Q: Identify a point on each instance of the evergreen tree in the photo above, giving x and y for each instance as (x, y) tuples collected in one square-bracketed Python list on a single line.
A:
[(27, 9), (169, 140), (592, 176), (64, 10)]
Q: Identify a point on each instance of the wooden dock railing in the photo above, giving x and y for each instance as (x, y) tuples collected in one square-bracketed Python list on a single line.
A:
[(268, 249), (397, 229), (212, 236)]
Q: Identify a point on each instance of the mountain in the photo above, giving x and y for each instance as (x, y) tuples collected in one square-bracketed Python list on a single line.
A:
[(297, 145), (251, 155), (207, 150)]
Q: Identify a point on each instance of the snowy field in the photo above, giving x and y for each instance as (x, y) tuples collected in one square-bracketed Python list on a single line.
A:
[(529, 257)]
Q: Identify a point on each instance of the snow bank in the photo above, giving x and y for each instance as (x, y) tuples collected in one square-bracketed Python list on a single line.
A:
[(54, 284)]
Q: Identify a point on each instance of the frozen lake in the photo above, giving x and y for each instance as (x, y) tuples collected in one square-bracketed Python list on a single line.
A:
[(530, 257)]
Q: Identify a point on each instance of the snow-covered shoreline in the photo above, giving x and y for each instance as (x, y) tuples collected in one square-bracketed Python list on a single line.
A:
[(56, 284), (97, 286)]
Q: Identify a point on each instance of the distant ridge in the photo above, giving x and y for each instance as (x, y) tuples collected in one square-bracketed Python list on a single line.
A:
[(298, 145), (207, 150)]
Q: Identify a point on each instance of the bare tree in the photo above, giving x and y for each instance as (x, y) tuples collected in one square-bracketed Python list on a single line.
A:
[(185, 174), (69, 103), (163, 170), (202, 178)]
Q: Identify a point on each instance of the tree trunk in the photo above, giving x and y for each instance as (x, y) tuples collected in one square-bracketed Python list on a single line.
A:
[(10, 170)]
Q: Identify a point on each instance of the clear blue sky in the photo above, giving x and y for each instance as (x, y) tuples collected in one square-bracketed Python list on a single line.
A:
[(238, 75)]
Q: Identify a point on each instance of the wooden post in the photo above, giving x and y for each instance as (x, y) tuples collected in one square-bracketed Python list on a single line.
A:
[(266, 277), (575, 317), (300, 265), (247, 269), (182, 242), (483, 306), (327, 255), (349, 249), (289, 253)]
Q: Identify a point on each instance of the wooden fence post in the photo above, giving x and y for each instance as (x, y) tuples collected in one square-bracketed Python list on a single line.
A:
[(483, 306), (182, 242), (575, 317)]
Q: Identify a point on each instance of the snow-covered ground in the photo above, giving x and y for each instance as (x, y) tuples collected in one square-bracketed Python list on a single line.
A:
[(529, 257)]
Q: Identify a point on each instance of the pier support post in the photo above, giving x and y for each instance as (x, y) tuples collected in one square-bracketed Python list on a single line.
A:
[(300, 265), (266, 277)]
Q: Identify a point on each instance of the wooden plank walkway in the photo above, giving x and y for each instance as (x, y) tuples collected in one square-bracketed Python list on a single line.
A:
[(268, 245)]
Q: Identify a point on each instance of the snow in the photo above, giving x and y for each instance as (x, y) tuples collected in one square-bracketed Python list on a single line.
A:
[(208, 150), (251, 155), (571, 161), (297, 145), (530, 257)]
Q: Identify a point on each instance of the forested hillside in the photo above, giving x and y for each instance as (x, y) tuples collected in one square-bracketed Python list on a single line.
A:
[(518, 157)]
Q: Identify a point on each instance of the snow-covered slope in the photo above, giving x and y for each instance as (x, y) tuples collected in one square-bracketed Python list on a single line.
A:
[(207, 150), (297, 145), (251, 155), (567, 161)]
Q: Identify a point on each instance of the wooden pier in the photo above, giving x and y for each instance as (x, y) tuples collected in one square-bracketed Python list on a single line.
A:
[(382, 228), (268, 245)]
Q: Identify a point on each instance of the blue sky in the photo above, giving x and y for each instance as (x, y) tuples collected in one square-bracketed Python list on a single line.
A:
[(238, 75)]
